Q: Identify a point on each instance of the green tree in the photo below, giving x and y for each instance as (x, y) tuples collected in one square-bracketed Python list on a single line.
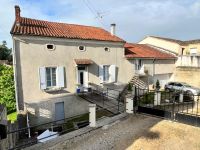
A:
[(5, 52), (7, 90)]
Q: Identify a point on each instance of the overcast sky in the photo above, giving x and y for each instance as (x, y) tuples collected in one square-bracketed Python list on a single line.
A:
[(135, 19)]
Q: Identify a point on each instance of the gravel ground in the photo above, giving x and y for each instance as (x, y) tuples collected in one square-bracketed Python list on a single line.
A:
[(137, 133)]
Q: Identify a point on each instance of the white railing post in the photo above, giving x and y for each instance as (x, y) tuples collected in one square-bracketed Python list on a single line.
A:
[(181, 97), (129, 105), (92, 115), (157, 98)]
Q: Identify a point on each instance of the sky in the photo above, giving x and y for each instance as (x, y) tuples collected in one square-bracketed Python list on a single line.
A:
[(135, 19)]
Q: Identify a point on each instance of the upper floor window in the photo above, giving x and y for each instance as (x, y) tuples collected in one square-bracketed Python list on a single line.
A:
[(81, 48), (50, 46), (193, 50), (107, 49), (51, 77), (106, 73)]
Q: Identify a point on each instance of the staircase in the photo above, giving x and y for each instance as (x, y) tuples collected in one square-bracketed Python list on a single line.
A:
[(135, 81)]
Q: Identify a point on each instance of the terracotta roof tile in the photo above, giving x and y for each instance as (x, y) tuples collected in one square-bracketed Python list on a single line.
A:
[(35, 27), (145, 51)]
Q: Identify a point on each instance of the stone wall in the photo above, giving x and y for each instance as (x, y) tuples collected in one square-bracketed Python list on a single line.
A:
[(188, 74)]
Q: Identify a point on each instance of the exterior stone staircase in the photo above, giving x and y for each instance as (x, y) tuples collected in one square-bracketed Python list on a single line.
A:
[(135, 81)]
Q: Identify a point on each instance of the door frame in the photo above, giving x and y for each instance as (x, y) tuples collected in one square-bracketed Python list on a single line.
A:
[(85, 77)]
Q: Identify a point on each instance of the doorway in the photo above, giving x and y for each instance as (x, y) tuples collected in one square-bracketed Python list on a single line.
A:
[(59, 111), (82, 77)]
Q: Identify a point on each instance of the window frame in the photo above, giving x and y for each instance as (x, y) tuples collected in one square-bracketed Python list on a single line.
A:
[(192, 49), (51, 76), (84, 48), (106, 78), (54, 47), (107, 50)]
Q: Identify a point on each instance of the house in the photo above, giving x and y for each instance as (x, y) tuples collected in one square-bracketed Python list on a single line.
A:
[(52, 60), (188, 52), (151, 64)]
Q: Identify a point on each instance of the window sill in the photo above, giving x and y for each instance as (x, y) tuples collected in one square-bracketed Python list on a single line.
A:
[(53, 89)]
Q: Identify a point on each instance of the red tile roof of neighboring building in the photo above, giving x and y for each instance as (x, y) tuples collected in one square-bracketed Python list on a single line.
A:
[(145, 51), (83, 61), (33, 27)]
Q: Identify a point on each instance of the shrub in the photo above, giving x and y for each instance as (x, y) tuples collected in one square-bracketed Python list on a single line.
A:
[(7, 90)]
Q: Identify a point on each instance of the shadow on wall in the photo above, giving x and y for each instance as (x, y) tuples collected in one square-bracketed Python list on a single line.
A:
[(94, 69), (55, 92), (44, 110)]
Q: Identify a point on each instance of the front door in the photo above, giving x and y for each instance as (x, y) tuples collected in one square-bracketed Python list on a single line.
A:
[(138, 64), (59, 111), (82, 77)]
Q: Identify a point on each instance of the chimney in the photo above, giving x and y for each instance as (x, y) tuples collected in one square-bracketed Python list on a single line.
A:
[(17, 15), (112, 31)]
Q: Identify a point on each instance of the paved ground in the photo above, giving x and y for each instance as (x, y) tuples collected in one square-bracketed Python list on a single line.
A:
[(138, 133)]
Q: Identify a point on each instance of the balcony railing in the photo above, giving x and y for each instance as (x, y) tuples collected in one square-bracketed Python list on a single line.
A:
[(188, 61)]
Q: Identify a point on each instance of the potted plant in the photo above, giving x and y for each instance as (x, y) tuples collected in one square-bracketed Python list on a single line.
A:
[(157, 85), (130, 89)]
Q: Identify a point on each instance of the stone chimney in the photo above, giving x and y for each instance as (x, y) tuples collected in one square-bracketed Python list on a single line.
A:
[(112, 31), (17, 15)]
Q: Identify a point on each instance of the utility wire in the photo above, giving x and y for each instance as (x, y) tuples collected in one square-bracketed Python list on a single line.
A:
[(96, 14)]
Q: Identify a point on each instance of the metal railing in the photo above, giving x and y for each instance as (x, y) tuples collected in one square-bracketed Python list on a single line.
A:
[(26, 140), (174, 105)]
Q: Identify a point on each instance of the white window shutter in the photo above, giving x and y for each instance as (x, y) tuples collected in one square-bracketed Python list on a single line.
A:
[(112, 73), (42, 72), (101, 73), (60, 80)]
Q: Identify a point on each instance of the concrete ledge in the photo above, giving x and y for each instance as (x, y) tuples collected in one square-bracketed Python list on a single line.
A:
[(76, 133)]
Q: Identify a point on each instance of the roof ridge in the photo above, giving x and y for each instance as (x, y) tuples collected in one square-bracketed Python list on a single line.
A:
[(61, 22), (146, 51), (181, 42)]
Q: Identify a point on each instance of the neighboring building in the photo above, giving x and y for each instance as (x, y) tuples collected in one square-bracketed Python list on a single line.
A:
[(51, 59), (188, 52), (151, 64)]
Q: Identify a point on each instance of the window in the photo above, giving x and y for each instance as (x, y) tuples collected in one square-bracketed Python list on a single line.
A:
[(182, 52), (138, 64), (81, 67), (171, 83), (107, 49), (106, 73), (50, 46), (178, 84), (81, 48), (193, 50), (51, 77)]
